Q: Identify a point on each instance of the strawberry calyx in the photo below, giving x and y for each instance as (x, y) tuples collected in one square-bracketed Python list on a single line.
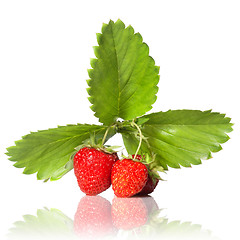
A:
[(98, 145), (149, 163), (154, 176), (103, 148), (92, 142)]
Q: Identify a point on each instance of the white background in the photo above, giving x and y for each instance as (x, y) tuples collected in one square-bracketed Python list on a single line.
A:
[(45, 50)]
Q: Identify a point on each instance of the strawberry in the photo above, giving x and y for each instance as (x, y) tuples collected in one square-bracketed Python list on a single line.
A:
[(128, 177), (92, 168), (151, 184), (93, 218)]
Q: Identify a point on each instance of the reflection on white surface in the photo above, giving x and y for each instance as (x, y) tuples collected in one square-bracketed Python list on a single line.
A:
[(48, 224), (93, 218), (97, 218)]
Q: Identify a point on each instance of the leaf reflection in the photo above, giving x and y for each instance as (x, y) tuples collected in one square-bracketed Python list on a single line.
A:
[(96, 218)]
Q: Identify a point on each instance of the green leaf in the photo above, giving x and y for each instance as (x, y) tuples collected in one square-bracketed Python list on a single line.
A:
[(180, 137), (124, 77), (142, 120), (48, 152)]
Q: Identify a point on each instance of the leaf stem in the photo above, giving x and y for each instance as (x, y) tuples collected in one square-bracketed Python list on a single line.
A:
[(140, 140), (105, 134)]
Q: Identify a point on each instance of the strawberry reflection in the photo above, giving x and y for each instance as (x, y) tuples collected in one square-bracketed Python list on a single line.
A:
[(93, 218), (129, 213)]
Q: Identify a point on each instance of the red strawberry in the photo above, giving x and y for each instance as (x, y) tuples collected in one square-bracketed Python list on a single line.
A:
[(93, 168), (93, 218), (129, 213), (128, 177), (151, 182), (138, 157), (150, 186)]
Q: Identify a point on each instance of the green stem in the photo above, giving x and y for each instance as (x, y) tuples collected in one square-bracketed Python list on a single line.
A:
[(105, 135), (140, 140)]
